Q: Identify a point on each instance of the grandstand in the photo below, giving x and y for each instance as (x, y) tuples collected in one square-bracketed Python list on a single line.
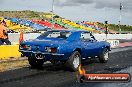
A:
[(17, 24), (30, 21)]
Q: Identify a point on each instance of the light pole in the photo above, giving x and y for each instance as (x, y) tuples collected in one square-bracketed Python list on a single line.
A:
[(120, 17), (106, 31), (52, 13)]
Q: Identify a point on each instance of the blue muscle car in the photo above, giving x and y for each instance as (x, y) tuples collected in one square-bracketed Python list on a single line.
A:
[(66, 46)]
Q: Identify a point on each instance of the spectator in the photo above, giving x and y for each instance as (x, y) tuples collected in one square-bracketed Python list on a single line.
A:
[(3, 34)]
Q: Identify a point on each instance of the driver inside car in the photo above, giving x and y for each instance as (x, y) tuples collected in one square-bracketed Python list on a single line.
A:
[(62, 35)]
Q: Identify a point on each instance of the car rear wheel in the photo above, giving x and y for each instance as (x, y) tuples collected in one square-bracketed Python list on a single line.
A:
[(104, 56), (35, 63), (74, 61)]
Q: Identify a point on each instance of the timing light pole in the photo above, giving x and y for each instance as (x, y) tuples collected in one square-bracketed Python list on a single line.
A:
[(120, 18), (106, 31), (52, 13)]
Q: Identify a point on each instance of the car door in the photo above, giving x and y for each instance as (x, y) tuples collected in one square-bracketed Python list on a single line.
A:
[(90, 45)]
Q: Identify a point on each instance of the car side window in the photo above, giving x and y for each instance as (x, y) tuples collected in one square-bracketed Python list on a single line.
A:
[(54, 34), (86, 36)]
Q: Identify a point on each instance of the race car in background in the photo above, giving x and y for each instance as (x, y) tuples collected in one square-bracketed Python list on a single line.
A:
[(69, 47)]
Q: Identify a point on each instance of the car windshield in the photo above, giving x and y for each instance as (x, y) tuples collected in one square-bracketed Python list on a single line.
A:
[(55, 34)]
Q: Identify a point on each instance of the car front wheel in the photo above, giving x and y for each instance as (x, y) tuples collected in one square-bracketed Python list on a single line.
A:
[(104, 56), (74, 61)]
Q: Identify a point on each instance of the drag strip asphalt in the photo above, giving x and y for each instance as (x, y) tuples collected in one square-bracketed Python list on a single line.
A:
[(120, 49), (58, 76)]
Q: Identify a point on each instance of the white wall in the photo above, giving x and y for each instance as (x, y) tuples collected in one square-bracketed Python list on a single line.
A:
[(113, 36), (15, 37)]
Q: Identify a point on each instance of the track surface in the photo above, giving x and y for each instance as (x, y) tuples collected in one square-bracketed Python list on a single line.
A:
[(57, 76)]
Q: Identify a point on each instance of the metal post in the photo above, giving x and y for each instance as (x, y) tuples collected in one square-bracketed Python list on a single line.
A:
[(52, 13), (120, 22), (106, 31), (120, 18)]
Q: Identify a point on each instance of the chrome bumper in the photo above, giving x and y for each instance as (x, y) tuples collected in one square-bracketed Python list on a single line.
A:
[(41, 52)]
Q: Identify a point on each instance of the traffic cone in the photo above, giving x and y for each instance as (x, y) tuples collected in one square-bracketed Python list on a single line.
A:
[(21, 37)]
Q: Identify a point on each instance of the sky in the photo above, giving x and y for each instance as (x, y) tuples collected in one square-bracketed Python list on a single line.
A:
[(81, 10)]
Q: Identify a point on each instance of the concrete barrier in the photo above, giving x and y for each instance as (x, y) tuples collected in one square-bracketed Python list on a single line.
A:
[(112, 36), (14, 37), (113, 43), (9, 51)]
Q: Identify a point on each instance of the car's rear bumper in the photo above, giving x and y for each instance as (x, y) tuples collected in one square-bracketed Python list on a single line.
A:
[(38, 52)]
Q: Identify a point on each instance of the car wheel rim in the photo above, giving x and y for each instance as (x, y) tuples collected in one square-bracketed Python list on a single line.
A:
[(106, 55), (76, 61)]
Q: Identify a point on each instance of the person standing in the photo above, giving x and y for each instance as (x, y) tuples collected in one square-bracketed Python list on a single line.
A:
[(3, 34)]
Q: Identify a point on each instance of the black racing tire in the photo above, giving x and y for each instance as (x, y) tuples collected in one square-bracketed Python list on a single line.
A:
[(104, 56), (35, 63), (74, 61)]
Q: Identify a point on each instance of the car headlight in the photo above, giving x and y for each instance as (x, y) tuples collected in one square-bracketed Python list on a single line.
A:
[(51, 49)]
